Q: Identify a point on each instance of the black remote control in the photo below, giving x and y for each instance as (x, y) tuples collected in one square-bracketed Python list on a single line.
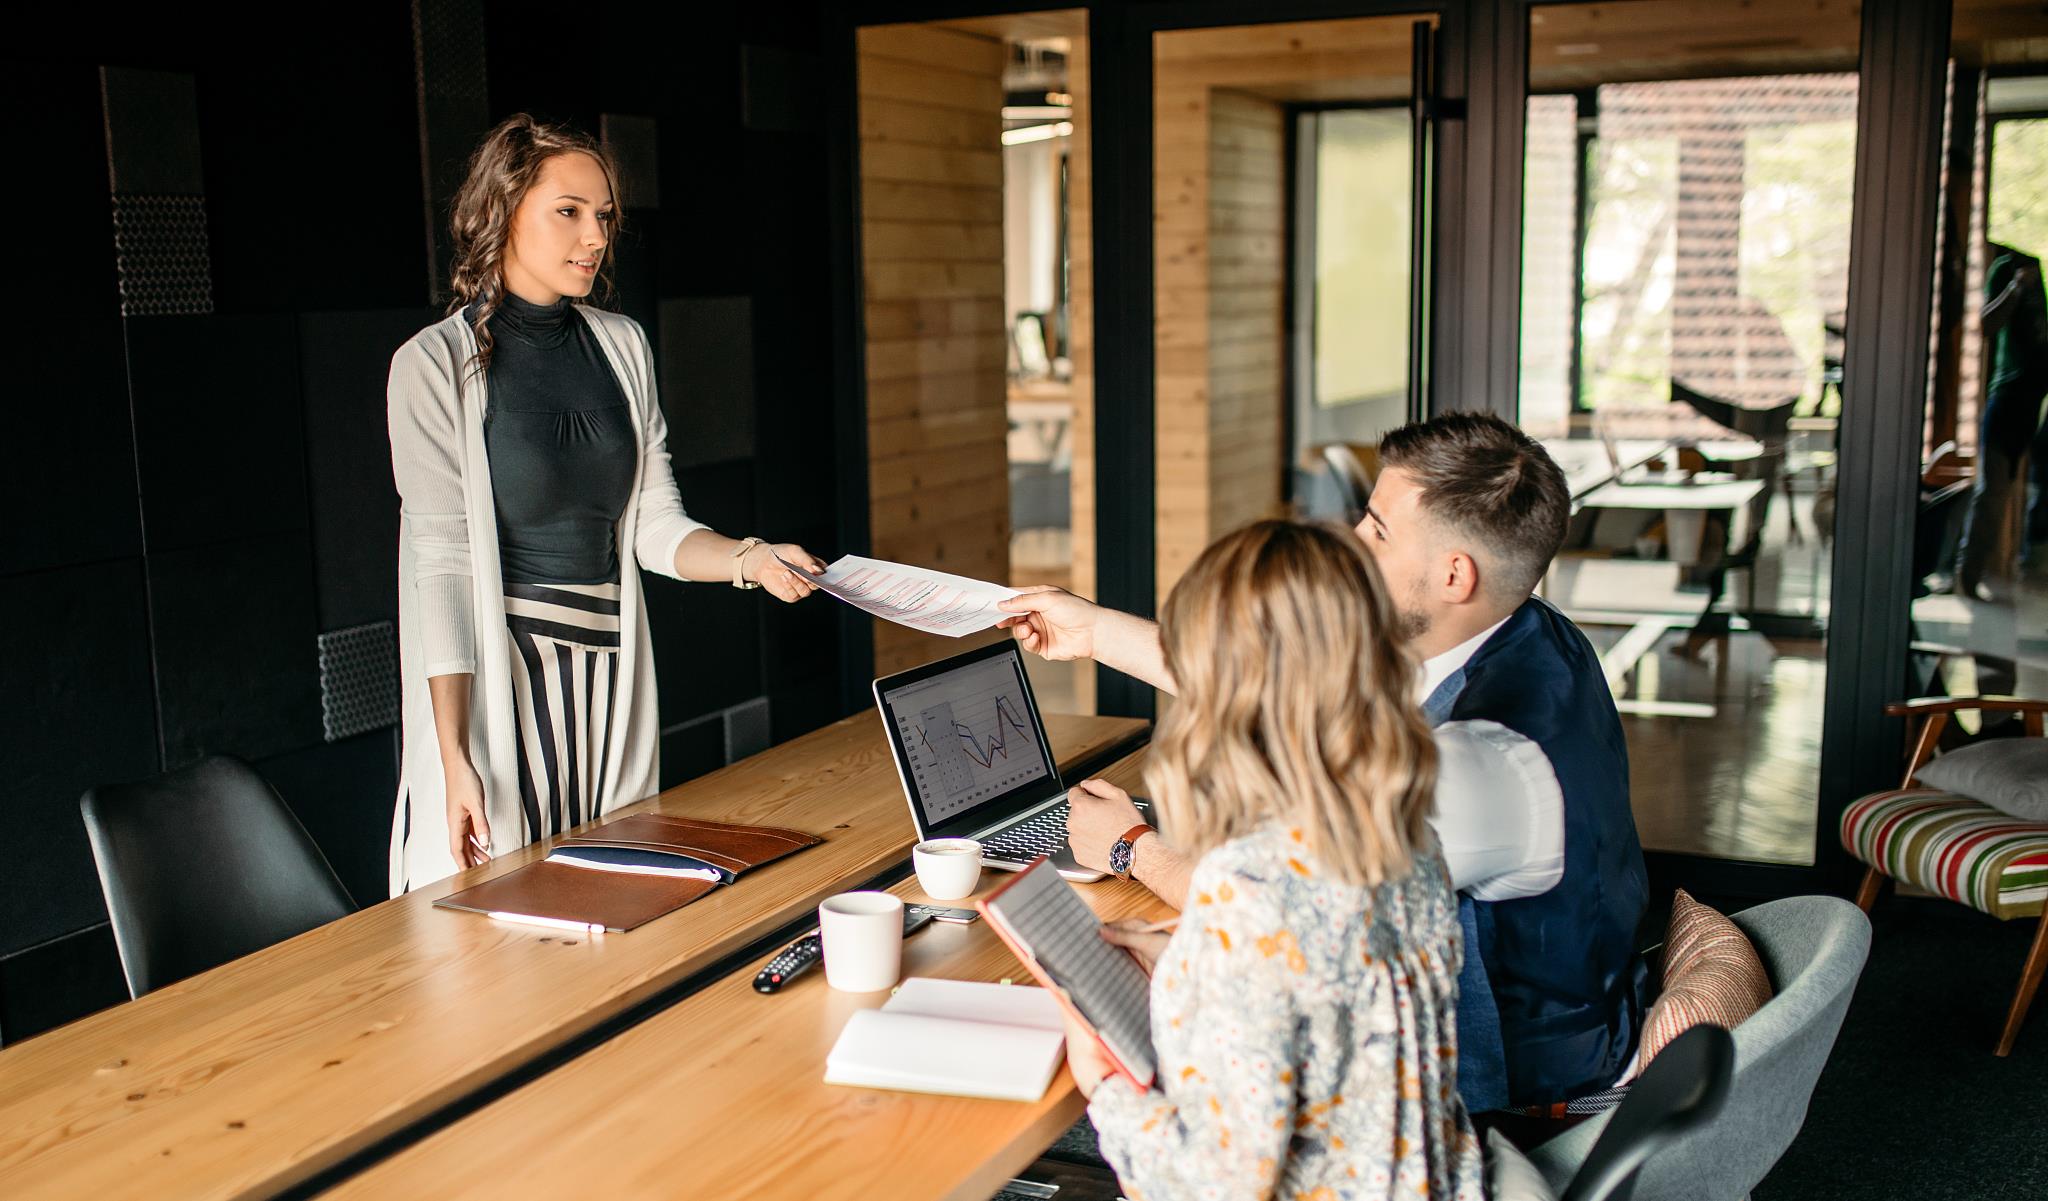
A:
[(807, 952)]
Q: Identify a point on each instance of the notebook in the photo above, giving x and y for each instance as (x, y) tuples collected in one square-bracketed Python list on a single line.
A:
[(628, 871), (1055, 935), (995, 1041)]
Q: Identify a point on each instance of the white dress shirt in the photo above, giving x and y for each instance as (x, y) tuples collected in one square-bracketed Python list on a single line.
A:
[(1499, 808)]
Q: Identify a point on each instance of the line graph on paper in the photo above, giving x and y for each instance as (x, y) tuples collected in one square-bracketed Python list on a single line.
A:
[(934, 601), (969, 742)]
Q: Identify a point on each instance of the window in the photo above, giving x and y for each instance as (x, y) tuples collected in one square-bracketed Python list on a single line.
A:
[(1353, 225)]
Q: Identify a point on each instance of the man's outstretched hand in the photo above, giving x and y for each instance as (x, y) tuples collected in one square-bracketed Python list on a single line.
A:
[(1051, 622)]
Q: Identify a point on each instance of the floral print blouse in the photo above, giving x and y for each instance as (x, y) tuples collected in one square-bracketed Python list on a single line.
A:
[(1305, 1031)]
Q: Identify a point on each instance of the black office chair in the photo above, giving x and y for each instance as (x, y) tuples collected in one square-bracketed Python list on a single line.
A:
[(1682, 1090), (203, 865)]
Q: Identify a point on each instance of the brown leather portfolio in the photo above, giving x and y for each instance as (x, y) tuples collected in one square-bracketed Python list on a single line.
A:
[(559, 891)]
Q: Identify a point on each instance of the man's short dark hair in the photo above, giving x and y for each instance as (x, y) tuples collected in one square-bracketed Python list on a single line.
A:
[(1491, 482)]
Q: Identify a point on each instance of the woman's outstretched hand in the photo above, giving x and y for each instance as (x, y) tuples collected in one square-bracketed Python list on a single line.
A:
[(766, 566)]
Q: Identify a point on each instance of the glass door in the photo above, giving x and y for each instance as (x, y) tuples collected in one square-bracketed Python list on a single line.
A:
[(1290, 167), (1686, 233), (1980, 540)]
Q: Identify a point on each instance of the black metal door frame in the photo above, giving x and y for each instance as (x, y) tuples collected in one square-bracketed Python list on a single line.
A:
[(1903, 55)]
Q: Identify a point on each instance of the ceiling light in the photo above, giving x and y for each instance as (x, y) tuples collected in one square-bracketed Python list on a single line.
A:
[(1037, 133)]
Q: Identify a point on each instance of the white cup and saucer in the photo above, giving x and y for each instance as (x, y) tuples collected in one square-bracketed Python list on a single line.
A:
[(947, 868)]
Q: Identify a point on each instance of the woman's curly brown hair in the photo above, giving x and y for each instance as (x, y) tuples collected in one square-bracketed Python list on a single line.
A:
[(503, 169)]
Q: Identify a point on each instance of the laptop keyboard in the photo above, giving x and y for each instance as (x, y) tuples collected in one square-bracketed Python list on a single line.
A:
[(1042, 834)]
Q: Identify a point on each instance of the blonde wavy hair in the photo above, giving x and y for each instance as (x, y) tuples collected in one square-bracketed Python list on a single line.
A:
[(504, 167), (1294, 704)]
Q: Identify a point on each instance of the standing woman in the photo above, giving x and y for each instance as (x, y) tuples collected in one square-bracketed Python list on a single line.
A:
[(533, 473)]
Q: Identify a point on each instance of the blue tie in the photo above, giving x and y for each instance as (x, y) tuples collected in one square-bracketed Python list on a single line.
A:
[(1482, 1056)]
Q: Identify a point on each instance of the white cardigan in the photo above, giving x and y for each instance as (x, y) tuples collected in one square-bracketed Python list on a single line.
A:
[(451, 604)]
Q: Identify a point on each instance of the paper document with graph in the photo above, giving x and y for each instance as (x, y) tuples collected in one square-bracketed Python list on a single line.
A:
[(932, 601)]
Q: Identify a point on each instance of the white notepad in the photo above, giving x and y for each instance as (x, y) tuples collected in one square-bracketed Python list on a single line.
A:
[(955, 1037)]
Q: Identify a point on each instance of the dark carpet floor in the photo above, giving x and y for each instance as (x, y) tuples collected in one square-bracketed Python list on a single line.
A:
[(1913, 1103)]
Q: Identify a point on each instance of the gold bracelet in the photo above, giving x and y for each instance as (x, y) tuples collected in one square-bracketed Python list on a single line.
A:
[(739, 562)]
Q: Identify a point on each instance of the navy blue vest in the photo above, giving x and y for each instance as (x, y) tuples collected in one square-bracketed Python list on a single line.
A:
[(1562, 968)]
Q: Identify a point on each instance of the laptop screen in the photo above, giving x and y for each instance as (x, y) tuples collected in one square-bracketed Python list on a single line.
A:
[(968, 740)]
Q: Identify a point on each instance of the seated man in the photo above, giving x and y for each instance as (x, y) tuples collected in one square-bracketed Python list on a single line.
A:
[(1533, 796)]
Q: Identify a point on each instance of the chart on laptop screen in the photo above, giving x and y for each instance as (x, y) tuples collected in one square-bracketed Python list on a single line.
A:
[(967, 737)]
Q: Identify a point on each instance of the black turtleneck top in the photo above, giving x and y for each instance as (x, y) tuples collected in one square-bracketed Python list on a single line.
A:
[(561, 444)]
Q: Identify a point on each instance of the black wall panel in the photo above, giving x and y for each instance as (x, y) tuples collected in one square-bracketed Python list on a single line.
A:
[(218, 428), (781, 89), (707, 646), (79, 713), (59, 981), (312, 160), (453, 85), (689, 751), (69, 483), (700, 170), (530, 71), (67, 145), (153, 132), (636, 288), (803, 706), (707, 636), (786, 223), (345, 364), (74, 469), (787, 234), (342, 792), (236, 657), (705, 357)]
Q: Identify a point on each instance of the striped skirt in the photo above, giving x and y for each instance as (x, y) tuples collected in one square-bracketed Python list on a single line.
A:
[(565, 676)]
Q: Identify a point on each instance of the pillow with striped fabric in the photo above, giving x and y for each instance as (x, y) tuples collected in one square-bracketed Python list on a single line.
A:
[(1712, 976)]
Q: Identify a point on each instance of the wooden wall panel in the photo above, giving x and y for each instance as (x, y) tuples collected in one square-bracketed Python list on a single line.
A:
[(1180, 250), (1081, 338), (932, 269)]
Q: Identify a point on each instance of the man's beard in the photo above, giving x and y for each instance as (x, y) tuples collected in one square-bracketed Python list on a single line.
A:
[(1415, 620)]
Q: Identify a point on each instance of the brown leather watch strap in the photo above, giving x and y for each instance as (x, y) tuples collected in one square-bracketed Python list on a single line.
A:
[(1131, 837)]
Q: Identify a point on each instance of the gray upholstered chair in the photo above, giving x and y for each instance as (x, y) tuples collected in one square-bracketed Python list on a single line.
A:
[(1814, 948)]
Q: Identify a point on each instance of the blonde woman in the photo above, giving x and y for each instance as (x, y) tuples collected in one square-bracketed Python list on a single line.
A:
[(532, 465), (1304, 1012)]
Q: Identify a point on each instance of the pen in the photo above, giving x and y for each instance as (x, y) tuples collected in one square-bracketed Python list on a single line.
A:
[(552, 923)]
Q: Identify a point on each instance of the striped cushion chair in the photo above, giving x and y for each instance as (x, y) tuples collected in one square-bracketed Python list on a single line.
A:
[(1956, 847)]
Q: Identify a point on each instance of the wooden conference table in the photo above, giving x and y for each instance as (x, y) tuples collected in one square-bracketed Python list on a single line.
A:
[(723, 1096), (255, 1077)]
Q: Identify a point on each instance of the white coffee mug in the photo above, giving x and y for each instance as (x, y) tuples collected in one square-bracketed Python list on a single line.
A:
[(947, 868), (863, 936)]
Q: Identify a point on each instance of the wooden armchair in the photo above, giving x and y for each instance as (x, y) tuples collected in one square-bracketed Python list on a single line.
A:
[(1956, 847)]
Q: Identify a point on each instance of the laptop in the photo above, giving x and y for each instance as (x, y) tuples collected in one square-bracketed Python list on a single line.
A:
[(971, 751)]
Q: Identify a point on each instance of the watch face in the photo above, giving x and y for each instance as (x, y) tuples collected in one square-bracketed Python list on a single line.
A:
[(1120, 857)]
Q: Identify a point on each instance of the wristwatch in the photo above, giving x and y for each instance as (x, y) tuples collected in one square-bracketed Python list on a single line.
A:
[(739, 561), (1120, 850)]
